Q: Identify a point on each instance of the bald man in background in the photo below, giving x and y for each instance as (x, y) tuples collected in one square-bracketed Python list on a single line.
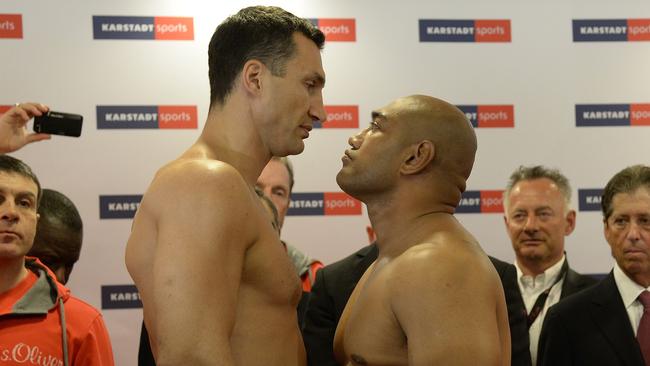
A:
[(432, 297)]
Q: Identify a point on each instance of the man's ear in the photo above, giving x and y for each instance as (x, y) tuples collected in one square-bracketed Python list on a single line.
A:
[(418, 157), (251, 76), (570, 222)]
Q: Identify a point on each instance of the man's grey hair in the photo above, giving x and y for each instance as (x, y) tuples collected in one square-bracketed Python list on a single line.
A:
[(287, 163), (523, 173)]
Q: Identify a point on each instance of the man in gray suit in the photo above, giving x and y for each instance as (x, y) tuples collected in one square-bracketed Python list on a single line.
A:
[(609, 324), (538, 217)]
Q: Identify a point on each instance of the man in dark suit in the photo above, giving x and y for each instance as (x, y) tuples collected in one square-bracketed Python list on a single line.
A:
[(517, 314), (538, 218), (334, 284), (606, 324), (332, 288)]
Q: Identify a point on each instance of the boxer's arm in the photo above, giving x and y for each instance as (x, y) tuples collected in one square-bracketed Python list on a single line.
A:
[(445, 308), (203, 234)]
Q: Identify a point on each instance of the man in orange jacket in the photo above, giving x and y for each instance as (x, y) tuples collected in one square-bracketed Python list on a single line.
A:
[(40, 322)]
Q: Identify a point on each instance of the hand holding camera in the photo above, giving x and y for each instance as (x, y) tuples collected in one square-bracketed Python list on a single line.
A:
[(13, 133)]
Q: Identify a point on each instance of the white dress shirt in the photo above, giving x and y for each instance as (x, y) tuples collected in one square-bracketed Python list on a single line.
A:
[(530, 288), (629, 291)]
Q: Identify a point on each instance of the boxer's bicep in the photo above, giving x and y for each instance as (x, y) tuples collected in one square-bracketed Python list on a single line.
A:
[(442, 311), (203, 235)]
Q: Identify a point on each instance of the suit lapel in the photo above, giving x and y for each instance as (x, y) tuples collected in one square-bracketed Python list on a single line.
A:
[(571, 284), (517, 317), (363, 260), (609, 314)]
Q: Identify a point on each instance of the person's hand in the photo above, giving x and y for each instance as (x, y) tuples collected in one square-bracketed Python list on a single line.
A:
[(13, 130)]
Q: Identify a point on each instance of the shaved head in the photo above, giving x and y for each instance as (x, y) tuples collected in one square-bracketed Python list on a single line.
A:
[(415, 137), (429, 118)]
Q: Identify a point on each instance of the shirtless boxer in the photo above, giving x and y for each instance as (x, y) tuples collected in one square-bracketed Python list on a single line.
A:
[(432, 297), (216, 283)]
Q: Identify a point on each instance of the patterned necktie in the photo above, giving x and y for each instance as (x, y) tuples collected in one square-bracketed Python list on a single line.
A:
[(643, 333)]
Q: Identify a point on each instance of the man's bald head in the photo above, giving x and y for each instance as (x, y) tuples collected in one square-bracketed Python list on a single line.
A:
[(416, 136), (428, 118)]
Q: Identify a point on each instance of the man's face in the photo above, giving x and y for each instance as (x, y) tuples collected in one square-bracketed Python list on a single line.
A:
[(537, 221), (627, 231), (18, 215), (372, 164), (292, 102), (275, 183)]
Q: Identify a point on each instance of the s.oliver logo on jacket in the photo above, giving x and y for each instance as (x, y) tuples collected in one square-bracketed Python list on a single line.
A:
[(23, 353)]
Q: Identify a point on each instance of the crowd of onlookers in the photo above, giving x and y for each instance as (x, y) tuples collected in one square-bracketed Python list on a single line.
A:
[(42, 234)]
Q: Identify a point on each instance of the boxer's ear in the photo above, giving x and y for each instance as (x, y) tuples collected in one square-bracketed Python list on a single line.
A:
[(252, 75), (418, 157)]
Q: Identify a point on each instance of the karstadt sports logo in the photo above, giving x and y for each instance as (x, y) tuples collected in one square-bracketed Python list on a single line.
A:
[(589, 199), (147, 117), (611, 30), (483, 201), (600, 115), (142, 27), (118, 206), (487, 116), (340, 116), (11, 26), (337, 30), (448, 30), (323, 203), (120, 297)]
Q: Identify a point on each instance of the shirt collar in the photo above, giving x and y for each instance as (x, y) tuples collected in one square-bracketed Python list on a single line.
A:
[(544, 280), (628, 289)]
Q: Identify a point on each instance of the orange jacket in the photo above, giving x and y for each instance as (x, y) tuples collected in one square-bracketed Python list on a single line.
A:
[(33, 316)]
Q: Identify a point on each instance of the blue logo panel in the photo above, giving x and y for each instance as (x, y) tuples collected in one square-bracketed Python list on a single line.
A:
[(471, 112), (119, 206), (112, 27), (599, 30), (445, 30), (597, 115), (470, 202), (589, 199), (306, 204), (120, 297), (127, 117)]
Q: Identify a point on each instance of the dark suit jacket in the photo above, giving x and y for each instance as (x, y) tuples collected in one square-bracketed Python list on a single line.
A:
[(332, 288), (145, 356), (590, 328), (334, 285), (520, 353), (573, 282)]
